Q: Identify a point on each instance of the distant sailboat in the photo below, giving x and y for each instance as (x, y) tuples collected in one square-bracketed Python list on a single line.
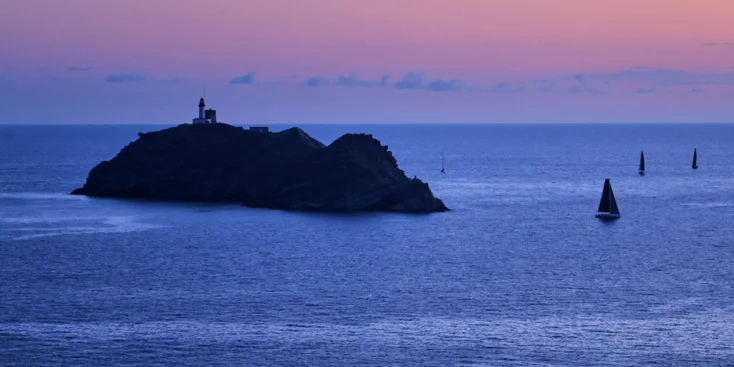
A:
[(694, 165), (608, 205), (642, 164), (443, 162)]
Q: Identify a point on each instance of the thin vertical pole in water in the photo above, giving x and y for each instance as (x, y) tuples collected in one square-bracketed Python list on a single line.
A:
[(443, 162)]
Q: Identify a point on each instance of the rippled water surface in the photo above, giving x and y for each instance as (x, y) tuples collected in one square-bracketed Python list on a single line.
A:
[(519, 273)]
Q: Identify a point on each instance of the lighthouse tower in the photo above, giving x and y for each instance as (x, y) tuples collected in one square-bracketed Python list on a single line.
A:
[(202, 118)]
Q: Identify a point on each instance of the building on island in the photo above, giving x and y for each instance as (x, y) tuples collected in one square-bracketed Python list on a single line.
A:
[(205, 116), (210, 117)]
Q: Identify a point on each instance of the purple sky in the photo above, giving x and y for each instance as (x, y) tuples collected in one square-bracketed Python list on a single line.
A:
[(378, 61)]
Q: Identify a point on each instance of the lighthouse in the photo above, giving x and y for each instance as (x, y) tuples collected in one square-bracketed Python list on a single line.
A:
[(205, 116)]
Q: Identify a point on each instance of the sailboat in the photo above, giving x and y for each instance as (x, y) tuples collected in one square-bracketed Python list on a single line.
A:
[(694, 165), (443, 161), (607, 205), (642, 164)]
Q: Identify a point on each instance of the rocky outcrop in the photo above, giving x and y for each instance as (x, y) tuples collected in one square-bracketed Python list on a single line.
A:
[(283, 170)]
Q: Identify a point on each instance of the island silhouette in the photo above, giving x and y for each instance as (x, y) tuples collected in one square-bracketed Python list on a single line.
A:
[(257, 168)]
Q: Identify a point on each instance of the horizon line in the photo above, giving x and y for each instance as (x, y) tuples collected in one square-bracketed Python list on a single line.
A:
[(390, 123)]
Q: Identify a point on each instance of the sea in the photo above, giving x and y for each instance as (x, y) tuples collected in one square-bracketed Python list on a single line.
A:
[(518, 273)]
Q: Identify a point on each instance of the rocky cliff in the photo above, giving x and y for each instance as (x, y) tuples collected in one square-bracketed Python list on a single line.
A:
[(284, 170)]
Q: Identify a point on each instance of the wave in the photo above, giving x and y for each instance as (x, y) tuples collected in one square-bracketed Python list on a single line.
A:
[(41, 196), (74, 226), (719, 204), (704, 334)]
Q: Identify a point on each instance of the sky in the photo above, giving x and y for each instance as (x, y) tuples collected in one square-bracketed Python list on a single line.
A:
[(367, 61)]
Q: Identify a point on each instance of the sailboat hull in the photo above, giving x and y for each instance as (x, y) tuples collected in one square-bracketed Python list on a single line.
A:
[(607, 216)]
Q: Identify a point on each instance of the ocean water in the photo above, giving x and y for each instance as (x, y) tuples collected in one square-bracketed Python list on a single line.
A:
[(519, 273)]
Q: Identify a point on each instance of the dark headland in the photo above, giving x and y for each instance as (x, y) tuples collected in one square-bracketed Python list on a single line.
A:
[(284, 170)]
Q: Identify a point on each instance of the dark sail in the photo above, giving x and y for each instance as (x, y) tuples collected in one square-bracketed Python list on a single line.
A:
[(604, 203), (612, 201), (695, 163), (642, 161), (608, 204)]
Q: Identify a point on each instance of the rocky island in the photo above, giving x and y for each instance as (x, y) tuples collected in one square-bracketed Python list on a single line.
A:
[(279, 170)]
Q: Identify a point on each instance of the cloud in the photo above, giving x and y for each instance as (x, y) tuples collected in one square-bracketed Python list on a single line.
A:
[(415, 80), (316, 81), (248, 78), (668, 77), (506, 87), (582, 84), (80, 68), (638, 77), (410, 81), (352, 81), (124, 78), (696, 90), (440, 85), (574, 83)]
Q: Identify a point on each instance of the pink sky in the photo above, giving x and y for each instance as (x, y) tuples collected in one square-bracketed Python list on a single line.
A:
[(653, 59)]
